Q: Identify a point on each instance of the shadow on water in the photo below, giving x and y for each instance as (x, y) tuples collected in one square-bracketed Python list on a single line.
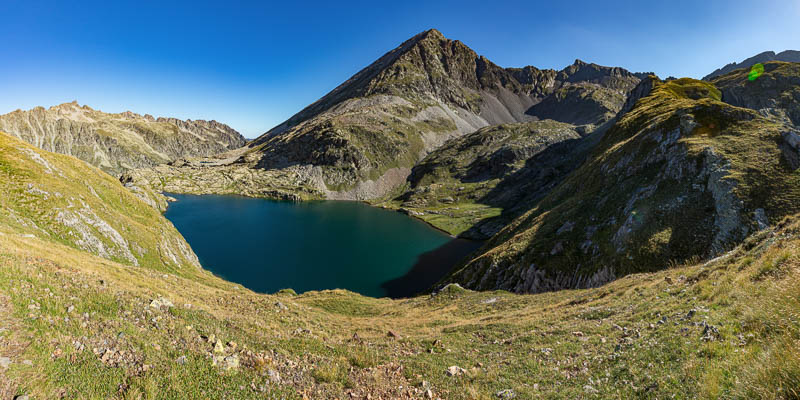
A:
[(430, 268)]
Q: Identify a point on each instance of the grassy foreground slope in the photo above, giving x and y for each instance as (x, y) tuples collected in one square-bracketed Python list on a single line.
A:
[(79, 326), (64, 200)]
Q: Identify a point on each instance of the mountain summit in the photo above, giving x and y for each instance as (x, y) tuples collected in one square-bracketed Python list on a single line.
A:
[(360, 140)]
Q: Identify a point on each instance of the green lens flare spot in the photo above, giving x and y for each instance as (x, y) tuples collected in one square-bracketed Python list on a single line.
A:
[(755, 71)]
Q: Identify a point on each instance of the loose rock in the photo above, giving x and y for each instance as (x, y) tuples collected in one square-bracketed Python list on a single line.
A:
[(232, 362), (456, 371), (506, 394)]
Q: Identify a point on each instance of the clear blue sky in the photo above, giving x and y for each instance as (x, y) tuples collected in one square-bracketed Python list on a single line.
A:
[(254, 64)]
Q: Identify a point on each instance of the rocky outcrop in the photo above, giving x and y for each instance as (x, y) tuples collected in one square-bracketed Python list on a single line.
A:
[(118, 142), (775, 93), (497, 167), (198, 177)]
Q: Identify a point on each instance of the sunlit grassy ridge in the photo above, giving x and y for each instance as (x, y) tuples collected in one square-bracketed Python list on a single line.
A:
[(680, 175), (723, 329), (64, 200)]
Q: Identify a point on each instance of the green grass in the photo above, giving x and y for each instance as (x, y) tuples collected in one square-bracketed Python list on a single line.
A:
[(550, 345)]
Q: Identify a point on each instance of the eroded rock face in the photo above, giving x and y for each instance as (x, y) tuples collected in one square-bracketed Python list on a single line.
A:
[(118, 142)]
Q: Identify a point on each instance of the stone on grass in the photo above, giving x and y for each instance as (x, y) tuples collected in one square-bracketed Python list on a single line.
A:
[(219, 347), (161, 302), (274, 376), (456, 371), (232, 362), (506, 394)]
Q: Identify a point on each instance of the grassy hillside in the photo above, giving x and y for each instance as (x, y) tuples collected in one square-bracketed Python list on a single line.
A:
[(79, 326), (64, 200), (681, 175)]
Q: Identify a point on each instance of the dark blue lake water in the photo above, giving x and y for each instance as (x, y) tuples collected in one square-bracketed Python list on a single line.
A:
[(268, 245)]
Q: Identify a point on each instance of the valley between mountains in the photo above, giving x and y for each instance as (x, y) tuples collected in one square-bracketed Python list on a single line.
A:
[(640, 239)]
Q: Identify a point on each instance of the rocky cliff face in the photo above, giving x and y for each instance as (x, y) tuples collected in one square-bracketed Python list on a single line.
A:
[(118, 142), (681, 174), (788, 56)]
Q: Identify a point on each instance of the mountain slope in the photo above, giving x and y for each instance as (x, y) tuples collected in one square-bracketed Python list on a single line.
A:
[(475, 185), (118, 142), (361, 140), (63, 200), (461, 187), (788, 55), (681, 175)]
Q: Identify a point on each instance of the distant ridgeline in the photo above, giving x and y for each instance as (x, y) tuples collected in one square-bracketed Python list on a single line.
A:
[(118, 142)]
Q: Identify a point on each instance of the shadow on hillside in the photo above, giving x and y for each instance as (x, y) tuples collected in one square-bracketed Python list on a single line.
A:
[(519, 191), (430, 268)]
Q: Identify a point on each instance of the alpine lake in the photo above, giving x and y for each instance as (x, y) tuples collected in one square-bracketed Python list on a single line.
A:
[(268, 245)]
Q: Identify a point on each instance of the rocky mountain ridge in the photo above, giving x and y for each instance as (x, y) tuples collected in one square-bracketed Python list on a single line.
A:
[(118, 142), (682, 174), (787, 55)]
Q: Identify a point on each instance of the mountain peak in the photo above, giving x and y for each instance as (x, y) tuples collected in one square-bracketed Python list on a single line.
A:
[(432, 33)]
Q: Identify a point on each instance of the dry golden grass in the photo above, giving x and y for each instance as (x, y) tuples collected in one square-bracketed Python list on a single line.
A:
[(630, 338)]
